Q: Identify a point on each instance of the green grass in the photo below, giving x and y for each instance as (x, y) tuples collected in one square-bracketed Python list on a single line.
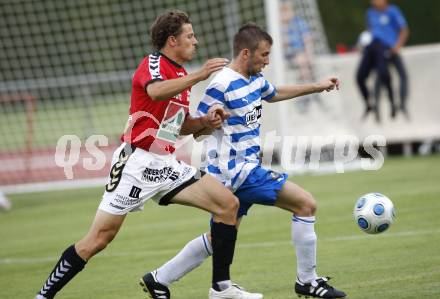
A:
[(404, 262), (53, 119)]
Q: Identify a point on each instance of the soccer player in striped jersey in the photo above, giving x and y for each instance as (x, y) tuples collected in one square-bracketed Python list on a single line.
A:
[(144, 166), (233, 158)]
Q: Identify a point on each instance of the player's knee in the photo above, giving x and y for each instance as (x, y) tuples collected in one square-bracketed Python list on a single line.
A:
[(232, 205), (229, 207), (309, 207)]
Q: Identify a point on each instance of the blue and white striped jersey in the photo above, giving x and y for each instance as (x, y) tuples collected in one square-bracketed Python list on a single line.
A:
[(233, 151)]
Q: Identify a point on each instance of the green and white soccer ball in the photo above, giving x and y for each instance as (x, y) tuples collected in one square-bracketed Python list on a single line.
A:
[(374, 213)]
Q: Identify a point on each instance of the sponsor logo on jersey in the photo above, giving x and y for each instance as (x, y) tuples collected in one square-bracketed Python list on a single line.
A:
[(384, 20), (254, 115), (160, 175), (169, 128)]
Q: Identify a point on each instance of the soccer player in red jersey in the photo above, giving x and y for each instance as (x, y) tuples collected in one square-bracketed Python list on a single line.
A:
[(143, 166)]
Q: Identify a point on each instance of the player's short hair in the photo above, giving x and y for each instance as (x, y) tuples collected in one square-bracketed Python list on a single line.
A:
[(248, 37), (167, 24)]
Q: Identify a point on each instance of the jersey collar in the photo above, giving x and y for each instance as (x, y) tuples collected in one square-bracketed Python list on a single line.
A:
[(169, 59)]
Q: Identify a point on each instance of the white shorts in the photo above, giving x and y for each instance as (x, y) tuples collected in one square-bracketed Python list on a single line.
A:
[(137, 175)]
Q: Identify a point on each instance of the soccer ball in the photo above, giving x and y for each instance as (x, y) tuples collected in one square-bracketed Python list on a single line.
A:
[(365, 38), (374, 213)]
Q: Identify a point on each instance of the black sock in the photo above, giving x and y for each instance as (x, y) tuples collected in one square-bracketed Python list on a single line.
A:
[(223, 245), (66, 268)]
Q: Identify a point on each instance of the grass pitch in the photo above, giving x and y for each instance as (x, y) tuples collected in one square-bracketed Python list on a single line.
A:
[(404, 262), (52, 119)]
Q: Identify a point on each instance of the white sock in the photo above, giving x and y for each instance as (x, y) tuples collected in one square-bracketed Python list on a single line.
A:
[(190, 257), (304, 240)]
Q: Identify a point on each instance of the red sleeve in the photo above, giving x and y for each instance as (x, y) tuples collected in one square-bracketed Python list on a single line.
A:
[(144, 77), (154, 70)]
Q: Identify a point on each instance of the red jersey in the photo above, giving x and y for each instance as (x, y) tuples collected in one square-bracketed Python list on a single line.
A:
[(155, 125)]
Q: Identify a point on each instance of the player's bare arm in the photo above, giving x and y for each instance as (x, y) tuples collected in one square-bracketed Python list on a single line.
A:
[(287, 92), (194, 124), (164, 90), (216, 114), (204, 125), (401, 41)]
